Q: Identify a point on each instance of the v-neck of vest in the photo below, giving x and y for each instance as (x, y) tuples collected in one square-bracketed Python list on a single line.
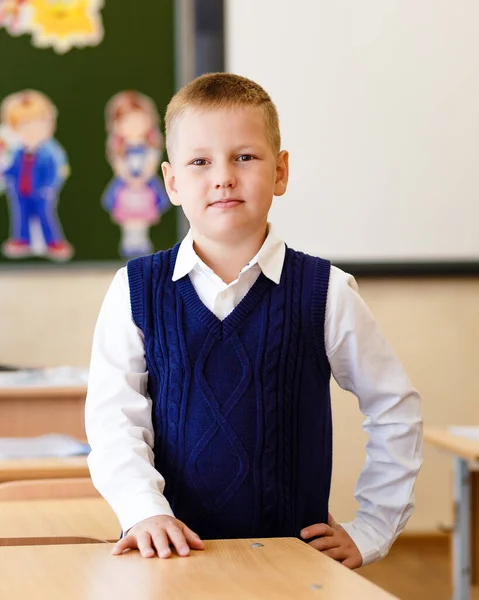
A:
[(221, 328)]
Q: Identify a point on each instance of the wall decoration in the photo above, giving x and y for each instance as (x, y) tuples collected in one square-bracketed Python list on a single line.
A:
[(8, 143), (136, 197), (34, 168), (15, 16), (80, 84), (59, 24), (64, 24)]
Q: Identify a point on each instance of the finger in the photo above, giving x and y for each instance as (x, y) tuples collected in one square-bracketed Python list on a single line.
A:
[(162, 544), (336, 553), (178, 540), (319, 529), (127, 542), (325, 543), (145, 545), (193, 539), (352, 563)]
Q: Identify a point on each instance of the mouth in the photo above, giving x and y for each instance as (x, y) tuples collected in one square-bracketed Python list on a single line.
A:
[(227, 203)]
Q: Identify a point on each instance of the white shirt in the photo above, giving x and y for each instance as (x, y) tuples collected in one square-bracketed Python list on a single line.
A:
[(118, 409)]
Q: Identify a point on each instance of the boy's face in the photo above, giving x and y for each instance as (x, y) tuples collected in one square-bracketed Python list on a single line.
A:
[(34, 132), (224, 172)]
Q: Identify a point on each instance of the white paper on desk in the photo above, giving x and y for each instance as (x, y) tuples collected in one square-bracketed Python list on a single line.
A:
[(53, 445), (54, 377), (471, 432)]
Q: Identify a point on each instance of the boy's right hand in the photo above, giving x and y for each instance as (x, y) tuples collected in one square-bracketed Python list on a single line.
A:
[(154, 535)]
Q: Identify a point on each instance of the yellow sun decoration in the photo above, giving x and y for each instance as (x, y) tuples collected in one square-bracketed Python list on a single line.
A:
[(62, 17)]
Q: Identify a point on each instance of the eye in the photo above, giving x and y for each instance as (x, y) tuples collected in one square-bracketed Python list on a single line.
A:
[(245, 157), (199, 162)]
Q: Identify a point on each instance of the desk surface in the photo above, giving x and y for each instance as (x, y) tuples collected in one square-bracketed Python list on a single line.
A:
[(281, 569), (19, 469), (84, 517), (460, 446)]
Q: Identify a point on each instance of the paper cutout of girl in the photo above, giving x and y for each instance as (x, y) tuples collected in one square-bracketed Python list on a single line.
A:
[(34, 176), (135, 198)]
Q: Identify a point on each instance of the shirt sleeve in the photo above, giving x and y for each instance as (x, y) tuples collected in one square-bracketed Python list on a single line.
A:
[(118, 414), (363, 363)]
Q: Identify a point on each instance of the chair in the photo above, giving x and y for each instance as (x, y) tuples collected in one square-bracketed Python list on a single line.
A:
[(48, 489)]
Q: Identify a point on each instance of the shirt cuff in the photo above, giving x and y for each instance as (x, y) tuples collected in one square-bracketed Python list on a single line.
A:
[(141, 507), (371, 546)]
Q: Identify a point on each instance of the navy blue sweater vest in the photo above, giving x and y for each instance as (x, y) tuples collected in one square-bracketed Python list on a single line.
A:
[(241, 407)]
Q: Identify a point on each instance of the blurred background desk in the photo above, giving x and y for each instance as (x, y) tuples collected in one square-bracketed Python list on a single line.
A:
[(43, 468), (32, 411), (84, 517), (466, 506)]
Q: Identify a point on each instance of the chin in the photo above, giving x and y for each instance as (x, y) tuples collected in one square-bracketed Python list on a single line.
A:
[(227, 232), (229, 228)]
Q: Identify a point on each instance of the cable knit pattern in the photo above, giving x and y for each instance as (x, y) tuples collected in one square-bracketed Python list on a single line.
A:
[(271, 460), (169, 410), (241, 407), (289, 420)]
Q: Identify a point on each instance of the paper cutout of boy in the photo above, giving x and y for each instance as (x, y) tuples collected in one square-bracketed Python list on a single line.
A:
[(35, 176)]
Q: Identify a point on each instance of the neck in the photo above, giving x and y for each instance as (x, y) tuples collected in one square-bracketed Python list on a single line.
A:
[(227, 259), (32, 147), (135, 141)]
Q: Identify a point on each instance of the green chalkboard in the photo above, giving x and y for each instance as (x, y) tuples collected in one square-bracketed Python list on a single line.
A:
[(136, 53)]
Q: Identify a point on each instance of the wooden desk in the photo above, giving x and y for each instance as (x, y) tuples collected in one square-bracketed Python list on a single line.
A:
[(43, 468), (31, 411), (83, 517), (281, 569), (466, 503), (460, 446)]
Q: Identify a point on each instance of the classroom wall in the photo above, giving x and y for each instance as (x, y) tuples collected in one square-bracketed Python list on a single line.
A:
[(377, 101), (47, 319)]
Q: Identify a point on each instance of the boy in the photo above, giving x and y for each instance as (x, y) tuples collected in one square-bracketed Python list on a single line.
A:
[(208, 403)]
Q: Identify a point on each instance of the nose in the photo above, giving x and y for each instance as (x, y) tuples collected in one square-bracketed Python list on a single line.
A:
[(224, 177)]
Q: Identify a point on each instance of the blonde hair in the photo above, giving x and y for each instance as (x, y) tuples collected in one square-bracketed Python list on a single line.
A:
[(25, 106), (223, 90)]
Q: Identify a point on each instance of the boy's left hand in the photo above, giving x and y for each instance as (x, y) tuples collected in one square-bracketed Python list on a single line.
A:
[(334, 542)]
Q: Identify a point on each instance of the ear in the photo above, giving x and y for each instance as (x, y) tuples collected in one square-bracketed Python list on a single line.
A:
[(170, 183), (282, 173)]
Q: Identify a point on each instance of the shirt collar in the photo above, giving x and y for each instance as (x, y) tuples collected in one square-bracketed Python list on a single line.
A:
[(270, 258)]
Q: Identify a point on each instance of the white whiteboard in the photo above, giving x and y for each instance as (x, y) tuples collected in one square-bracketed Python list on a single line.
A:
[(379, 108)]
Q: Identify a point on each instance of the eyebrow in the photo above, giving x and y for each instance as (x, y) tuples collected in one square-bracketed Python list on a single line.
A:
[(199, 151), (240, 148)]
